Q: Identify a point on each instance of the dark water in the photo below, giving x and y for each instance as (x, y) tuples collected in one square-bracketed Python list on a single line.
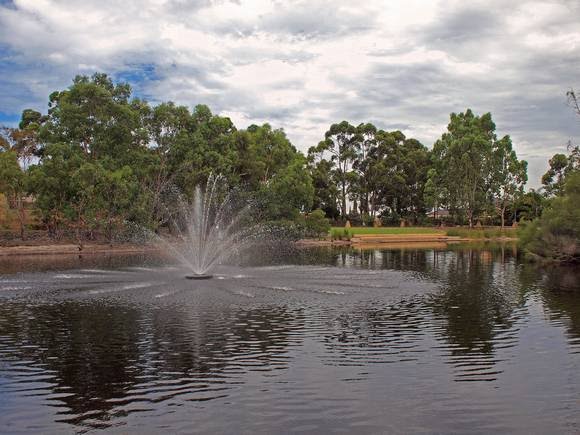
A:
[(317, 341)]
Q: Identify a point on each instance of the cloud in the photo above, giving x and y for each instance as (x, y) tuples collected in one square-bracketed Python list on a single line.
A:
[(303, 65)]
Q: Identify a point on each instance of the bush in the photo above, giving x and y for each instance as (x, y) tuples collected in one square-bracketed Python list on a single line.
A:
[(312, 225), (283, 230), (555, 236), (480, 233), (315, 224), (340, 234), (391, 219)]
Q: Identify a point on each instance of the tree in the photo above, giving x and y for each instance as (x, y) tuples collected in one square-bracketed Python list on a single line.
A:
[(367, 134), (325, 190), (435, 193), (24, 140), (395, 173), (556, 234), (529, 206), (13, 184), (51, 184), (341, 141), (288, 193), (509, 176), (561, 165), (463, 159), (96, 115), (119, 191)]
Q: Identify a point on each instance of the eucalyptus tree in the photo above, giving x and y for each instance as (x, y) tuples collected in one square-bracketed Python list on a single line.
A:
[(367, 141), (13, 184), (397, 173), (325, 189), (288, 192), (96, 115), (463, 158), (529, 206), (509, 175), (561, 165), (415, 164), (341, 142), (23, 140)]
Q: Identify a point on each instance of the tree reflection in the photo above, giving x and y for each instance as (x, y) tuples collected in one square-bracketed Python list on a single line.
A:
[(105, 355), (477, 299), (561, 298)]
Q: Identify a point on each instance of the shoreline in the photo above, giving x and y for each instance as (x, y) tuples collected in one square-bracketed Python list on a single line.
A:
[(127, 248), (400, 241), (73, 249)]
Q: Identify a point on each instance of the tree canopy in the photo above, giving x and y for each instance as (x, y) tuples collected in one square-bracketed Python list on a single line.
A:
[(101, 159)]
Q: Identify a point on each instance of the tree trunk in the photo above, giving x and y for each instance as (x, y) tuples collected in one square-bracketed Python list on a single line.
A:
[(79, 239), (343, 200), (21, 217)]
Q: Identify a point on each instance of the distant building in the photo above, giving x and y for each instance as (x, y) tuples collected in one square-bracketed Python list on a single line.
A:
[(438, 213)]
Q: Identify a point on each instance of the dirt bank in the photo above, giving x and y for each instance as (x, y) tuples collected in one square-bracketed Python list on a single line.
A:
[(68, 249)]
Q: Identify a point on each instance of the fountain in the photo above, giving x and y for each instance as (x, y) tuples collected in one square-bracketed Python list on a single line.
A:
[(208, 230)]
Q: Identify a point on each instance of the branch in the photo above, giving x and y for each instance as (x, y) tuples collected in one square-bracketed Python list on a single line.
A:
[(573, 101)]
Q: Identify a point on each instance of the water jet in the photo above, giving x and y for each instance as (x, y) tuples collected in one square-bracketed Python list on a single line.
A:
[(208, 230)]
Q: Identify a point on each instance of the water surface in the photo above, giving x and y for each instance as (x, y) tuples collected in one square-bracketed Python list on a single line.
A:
[(466, 340)]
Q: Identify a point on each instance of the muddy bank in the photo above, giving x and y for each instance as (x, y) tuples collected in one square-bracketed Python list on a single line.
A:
[(70, 249), (400, 242)]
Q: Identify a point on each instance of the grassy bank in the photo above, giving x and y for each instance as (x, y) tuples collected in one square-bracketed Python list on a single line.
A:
[(483, 233), (389, 230), (341, 233)]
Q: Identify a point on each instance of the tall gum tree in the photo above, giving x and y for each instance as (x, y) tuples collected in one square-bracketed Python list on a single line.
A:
[(463, 159), (342, 142), (509, 176)]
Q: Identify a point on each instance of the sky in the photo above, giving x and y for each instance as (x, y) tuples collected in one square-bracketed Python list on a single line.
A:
[(303, 65)]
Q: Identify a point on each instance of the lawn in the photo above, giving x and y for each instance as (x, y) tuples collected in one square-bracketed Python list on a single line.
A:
[(388, 230)]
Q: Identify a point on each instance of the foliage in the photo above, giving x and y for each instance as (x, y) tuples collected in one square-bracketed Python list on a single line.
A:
[(341, 142), (340, 234), (561, 166), (315, 224), (482, 233), (389, 230), (101, 161), (529, 206), (13, 184), (509, 175), (106, 160), (379, 172), (288, 192), (556, 234), (473, 168)]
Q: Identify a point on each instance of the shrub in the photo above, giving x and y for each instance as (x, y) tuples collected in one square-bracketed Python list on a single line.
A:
[(315, 224), (340, 234), (555, 236), (480, 233)]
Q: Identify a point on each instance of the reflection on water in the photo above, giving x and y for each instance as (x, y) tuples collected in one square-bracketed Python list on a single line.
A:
[(317, 340)]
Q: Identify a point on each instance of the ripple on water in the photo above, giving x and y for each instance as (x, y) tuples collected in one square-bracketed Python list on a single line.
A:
[(316, 349)]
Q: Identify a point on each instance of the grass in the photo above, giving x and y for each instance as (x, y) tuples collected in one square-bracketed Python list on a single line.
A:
[(388, 230), (482, 233), (341, 233)]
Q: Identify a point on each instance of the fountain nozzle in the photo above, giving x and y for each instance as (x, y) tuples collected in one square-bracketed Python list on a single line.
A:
[(201, 276)]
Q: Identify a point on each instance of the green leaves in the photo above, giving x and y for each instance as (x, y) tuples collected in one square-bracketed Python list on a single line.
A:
[(561, 166), (556, 234), (474, 168)]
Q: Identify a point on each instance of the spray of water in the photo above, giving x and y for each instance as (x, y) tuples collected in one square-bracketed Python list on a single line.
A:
[(208, 230)]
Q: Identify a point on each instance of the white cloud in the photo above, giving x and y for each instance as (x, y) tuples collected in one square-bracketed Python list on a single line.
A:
[(303, 65)]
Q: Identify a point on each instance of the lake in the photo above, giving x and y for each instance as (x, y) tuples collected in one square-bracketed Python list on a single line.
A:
[(466, 339)]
